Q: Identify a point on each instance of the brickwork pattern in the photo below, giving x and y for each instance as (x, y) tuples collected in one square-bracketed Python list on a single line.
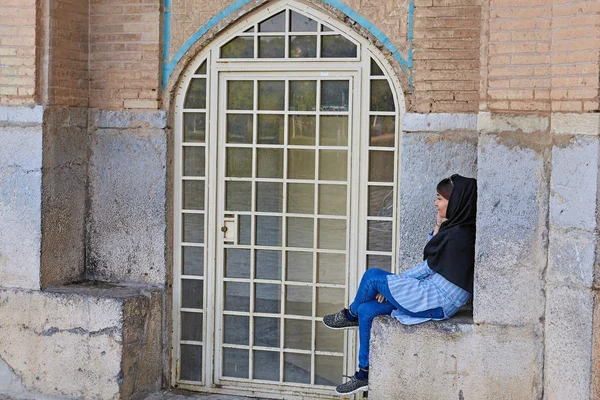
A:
[(124, 54), (17, 52)]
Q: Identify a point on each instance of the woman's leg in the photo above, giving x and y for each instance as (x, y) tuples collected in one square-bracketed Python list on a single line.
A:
[(367, 311), (372, 280)]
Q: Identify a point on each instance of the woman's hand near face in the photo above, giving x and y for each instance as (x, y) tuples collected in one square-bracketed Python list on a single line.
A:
[(380, 298), (438, 222)]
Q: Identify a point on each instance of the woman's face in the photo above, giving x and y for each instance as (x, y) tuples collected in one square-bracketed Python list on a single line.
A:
[(442, 205)]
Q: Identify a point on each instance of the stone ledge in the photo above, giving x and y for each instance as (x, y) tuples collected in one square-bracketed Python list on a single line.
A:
[(414, 122), (128, 119)]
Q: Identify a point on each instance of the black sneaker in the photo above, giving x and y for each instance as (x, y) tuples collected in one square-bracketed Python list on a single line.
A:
[(339, 321), (353, 385)]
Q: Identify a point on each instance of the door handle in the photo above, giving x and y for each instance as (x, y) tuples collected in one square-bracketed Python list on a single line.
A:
[(229, 229)]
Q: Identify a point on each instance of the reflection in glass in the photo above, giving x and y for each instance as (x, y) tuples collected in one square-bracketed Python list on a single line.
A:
[(271, 47), (235, 363), (381, 96), (236, 329), (299, 266), (239, 162), (192, 293), (375, 70), (328, 339), (193, 161), (303, 95), (380, 236), (196, 94), (194, 127), (270, 163), (333, 165), (329, 300), (191, 363), (334, 130), (300, 232), (332, 199), (302, 130), (245, 228), (325, 28), (191, 326), (381, 201), (193, 228), (298, 300), (381, 262), (382, 130), (331, 268), (334, 95), (192, 259), (238, 196), (240, 47), (328, 370), (266, 365), (332, 234), (337, 46), (237, 296), (270, 129), (296, 368), (201, 69), (237, 263), (239, 128), (193, 195), (266, 332), (240, 95), (268, 264), (268, 230), (274, 24), (301, 164), (301, 198), (298, 334), (300, 23), (269, 196), (303, 46), (271, 95), (267, 298), (381, 166)]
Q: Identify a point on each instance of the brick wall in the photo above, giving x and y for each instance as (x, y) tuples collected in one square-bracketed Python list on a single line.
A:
[(17, 51), (124, 54)]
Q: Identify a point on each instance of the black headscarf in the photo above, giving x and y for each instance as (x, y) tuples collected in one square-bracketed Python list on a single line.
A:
[(451, 253)]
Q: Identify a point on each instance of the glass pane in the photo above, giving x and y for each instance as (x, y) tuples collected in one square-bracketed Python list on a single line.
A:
[(271, 95), (332, 234), (240, 95), (266, 332), (334, 130), (196, 94), (268, 231), (194, 127), (239, 162), (300, 23), (326, 29), (239, 196), (245, 228), (302, 130), (191, 326), (269, 196), (381, 96), (381, 262), (337, 46), (329, 300), (236, 329), (298, 334), (266, 365), (375, 70), (301, 164), (382, 130), (300, 232), (331, 268), (193, 260), (235, 363), (333, 165), (240, 47), (268, 264), (270, 129), (303, 95), (271, 47), (193, 228), (237, 263), (191, 362), (301, 198), (303, 46), (332, 199), (239, 128), (193, 161), (328, 370), (192, 293), (296, 368), (380, 236), (298, 300), (270, 163), (237, 296), (299, 266), (201, 69), (334, 95), (249, 30), (381, 201), (274, 24), (381, 166), (193, 195), (267, 298), (328, 339)]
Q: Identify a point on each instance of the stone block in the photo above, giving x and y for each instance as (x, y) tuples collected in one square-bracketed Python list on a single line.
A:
[(572, 257), (454, 359), (568, 343), (128, 119), (127, 222), (20, 205), (438, 122), (426, 159), (575, 124), (21, 115), (510, 252), (574, 183), (75, 341)]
